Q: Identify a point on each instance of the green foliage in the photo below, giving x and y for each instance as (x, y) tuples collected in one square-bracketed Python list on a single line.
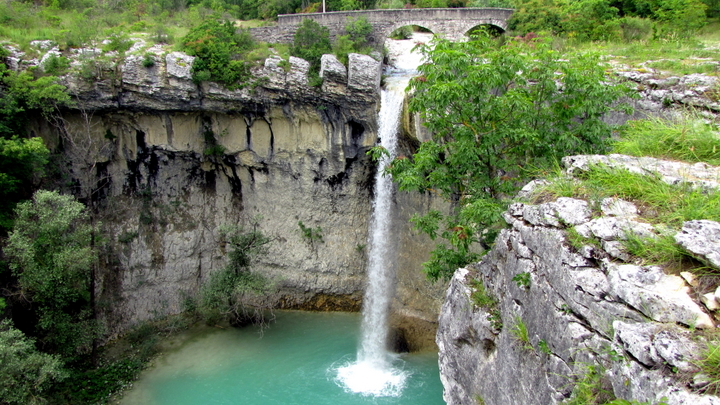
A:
[(522, 280), (25, 373), (311, 236), (591, 388), (687, 139), (311, 41), (591, 20), (229, 291), (543, 347), (405, 32), (480, 296), (118, 43), (663, 203), (578, 241), (22, 95), (710, 366), (51, 252), (635, 28), (56, 65), (602, 19), (496, 111), (220, 49), (21, 165), (520, 332), (148, 60), (660, 250)]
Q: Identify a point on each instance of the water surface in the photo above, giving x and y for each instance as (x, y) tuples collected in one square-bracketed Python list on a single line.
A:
[(294, 362)]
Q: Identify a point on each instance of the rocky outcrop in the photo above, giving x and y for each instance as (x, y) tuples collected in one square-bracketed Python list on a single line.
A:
[(174, 161), (566, 314)]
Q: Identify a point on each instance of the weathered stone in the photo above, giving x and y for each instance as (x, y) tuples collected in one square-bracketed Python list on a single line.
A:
[(702, 239), (297, 77), (363, 73), (617, 207), (710, 301), (43, 45), (689, 278), (564, 211), (672, 172), (661, 297), (332, 70), (637, 339), (614, 228)]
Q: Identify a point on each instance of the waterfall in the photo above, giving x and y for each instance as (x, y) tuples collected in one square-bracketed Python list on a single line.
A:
[(374, 372)]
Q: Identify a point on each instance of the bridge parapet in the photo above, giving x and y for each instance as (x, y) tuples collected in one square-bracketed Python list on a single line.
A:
[(450, 23)]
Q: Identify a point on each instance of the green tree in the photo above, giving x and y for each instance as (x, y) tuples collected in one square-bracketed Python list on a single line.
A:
[(22, 96), (25, 373), (235, 291), (496, 113), (310, 43), (21, 165), (220, 49), (51, 253)]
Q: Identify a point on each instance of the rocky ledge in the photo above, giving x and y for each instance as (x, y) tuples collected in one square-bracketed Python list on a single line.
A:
[(153, 78), (565, 315)]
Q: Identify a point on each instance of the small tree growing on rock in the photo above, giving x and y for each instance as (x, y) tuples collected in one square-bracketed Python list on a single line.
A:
[(496, 112)]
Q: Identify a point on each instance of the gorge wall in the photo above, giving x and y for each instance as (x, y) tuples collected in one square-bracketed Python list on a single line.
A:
[(566, 314), (169, 162)]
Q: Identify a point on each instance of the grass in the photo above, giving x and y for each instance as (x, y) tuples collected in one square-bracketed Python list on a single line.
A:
[(660, 203), (687, 139), (520, 332), (661, 250), (480, 297), (710, 366)]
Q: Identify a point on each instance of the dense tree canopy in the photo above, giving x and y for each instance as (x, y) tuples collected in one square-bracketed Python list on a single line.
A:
[(51, 252), (25, 373), (496, 113)]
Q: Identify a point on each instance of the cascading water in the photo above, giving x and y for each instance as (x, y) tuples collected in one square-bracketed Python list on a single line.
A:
[(375, 372)]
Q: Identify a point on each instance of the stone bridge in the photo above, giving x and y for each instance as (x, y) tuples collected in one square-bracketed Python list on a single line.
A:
[(450, 23)]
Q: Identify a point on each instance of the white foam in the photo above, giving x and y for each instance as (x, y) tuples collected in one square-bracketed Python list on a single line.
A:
[(372, 379)]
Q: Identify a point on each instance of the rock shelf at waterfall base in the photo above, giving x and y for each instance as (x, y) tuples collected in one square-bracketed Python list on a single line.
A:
[(582, 307)]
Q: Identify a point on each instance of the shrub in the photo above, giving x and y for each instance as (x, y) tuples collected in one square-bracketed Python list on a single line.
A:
[(148, 60), (25, 373), (56, 65), (219, 48), (635, 28), (494, 110), (311, 41), (230, 291)]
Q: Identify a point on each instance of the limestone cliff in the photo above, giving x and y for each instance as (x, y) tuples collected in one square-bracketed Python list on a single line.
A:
[(169, 162), (564, 312)]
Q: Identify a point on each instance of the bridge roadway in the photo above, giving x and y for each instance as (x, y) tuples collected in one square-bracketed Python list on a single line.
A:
[(450, 23)]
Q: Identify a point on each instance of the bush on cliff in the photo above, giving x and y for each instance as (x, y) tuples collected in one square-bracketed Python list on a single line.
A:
[(312, 40), (220, 49), (496, 112)]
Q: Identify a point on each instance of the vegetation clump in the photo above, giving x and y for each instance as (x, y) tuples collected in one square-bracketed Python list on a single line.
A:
[(219, 49), (496, 111)]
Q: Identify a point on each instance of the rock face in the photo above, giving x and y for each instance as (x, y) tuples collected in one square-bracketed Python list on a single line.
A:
[(176, 161), (581, 307)]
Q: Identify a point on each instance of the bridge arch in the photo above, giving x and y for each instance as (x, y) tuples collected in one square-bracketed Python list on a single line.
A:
[(450, 23)]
